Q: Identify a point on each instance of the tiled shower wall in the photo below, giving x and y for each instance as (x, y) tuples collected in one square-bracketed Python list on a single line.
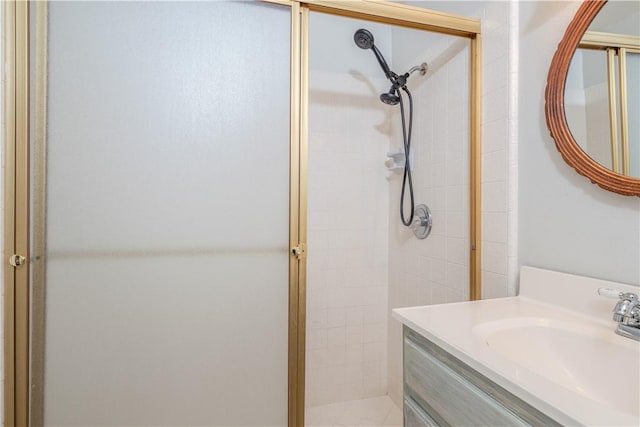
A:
[(499, 149), (436, 270), (347, 216)]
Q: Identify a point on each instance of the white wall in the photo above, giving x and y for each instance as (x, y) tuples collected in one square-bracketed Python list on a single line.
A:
[(348, 214), (566, 222)]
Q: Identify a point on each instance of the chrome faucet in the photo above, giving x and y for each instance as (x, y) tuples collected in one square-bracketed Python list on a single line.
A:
[(626, 312)]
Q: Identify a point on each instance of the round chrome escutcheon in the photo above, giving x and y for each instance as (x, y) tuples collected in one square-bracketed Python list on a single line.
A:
[(422, 221)]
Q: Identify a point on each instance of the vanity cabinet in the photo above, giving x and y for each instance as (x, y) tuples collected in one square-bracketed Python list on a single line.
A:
[(440, 390)]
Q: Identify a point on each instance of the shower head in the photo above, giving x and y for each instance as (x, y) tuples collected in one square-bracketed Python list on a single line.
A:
[(363, 39), (390, 98)]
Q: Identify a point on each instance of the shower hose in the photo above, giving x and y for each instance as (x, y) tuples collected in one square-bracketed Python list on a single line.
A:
[(406, 140)]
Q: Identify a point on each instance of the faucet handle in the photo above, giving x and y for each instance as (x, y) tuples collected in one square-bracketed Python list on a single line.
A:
[(614, 293), (626, 312), (610, 293)]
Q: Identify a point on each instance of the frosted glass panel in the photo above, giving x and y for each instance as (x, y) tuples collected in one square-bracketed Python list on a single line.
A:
[(167, 214)]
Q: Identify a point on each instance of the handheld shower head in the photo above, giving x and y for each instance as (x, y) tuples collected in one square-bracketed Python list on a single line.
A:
[(363, 39)]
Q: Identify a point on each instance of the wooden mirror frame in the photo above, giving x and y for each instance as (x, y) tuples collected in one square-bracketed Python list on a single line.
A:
[(555, 112)]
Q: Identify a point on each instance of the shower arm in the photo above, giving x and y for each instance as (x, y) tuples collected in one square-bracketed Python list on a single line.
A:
[(422, 68), (400, 81)]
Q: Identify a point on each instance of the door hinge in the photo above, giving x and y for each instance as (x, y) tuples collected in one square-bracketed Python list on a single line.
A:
[(299, 251), (17, 260)]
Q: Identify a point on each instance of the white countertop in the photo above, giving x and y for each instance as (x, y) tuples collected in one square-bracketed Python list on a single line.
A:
[(455, 328)]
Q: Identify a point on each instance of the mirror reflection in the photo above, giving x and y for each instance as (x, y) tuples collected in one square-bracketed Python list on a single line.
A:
[(602, 95)]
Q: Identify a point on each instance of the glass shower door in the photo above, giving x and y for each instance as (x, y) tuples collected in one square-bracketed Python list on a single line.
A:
[(165, 223)]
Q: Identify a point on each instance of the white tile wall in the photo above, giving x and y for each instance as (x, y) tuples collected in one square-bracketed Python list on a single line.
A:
[(512, 184), (434, 270), (347, 239), (443, 181), (498, 180)]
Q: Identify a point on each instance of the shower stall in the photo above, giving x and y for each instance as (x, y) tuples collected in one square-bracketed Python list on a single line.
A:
[(204, 211), (363, 260)]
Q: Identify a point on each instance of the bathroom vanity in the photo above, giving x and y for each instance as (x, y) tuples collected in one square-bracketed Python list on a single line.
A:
[(547, 357), (440, 390)]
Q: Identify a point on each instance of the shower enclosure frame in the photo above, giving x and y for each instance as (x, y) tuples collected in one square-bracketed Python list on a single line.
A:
[(23, 300)]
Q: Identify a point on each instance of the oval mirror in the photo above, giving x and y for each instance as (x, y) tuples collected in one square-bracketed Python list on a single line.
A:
[(593, 95)]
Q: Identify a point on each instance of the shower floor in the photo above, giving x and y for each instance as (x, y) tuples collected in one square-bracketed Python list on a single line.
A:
[(372, 412)]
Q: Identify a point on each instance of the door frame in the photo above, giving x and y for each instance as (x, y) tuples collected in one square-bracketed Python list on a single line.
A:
[(16, 213), (23, 366)]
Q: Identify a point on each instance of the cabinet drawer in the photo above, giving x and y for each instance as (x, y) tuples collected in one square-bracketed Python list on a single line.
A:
[(451, 396), (414, 416)]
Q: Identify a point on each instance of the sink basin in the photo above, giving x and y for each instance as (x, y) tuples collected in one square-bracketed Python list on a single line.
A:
[(587, 357)]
